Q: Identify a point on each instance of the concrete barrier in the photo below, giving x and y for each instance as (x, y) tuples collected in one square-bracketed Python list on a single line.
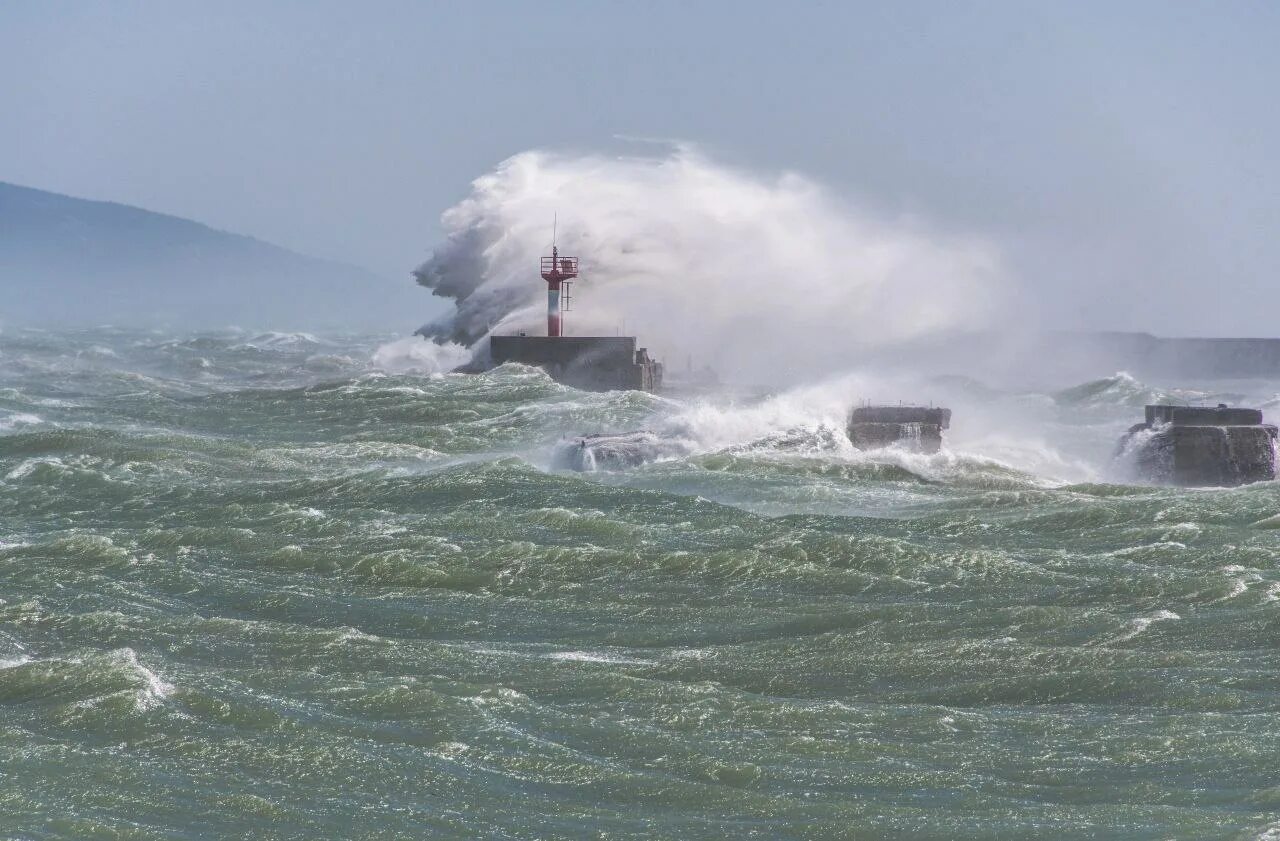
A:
[(915, 428), (594, 363), (1197, 446)]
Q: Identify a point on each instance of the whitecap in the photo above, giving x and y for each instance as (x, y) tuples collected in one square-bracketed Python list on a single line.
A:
[(416, 355), (27, 466), (593, 657), (13, 420), (1142, 623), (154, 690)]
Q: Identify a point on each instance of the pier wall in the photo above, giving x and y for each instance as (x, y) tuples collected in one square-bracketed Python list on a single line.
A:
[(1201, 446), (916, 428), (594, 363)]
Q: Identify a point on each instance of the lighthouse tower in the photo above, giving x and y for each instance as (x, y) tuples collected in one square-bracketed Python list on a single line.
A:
[(558, 272)]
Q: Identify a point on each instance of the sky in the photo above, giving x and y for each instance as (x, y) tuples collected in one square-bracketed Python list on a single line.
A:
[(1122, 156)]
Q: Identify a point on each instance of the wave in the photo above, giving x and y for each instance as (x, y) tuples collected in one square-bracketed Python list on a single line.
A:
[(84, 681), (1123, 389), (14, 420), (416, 355), (276, 340)]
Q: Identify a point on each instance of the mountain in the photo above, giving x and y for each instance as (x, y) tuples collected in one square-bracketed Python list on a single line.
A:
[(70, 261)]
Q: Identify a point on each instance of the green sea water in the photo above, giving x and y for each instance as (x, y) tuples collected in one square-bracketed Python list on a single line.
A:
[(255, 586)]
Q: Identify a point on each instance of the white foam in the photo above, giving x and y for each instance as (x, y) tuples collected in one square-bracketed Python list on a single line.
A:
[(1271, 832), (153, 690), (276, 339), (452, 750), (416, 355), (13, 420), (27, 466), (1142, 623), (809, 421), (593, 657), (1239, 586), (350, 634)]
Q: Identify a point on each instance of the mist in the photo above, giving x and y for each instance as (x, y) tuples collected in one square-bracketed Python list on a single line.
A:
[(68, 262)]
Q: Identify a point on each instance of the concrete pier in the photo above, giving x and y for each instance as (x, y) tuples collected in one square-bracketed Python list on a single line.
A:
[(1201, 446), (916, 428), (593, 363)]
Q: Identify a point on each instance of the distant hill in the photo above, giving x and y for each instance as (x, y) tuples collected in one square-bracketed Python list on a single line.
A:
[(65, 260)]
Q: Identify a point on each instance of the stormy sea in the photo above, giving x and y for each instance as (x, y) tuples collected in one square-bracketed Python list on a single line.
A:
[(290, 585)]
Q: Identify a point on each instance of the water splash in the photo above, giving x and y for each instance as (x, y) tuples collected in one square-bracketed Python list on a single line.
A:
[(416, 355), (769, 276)]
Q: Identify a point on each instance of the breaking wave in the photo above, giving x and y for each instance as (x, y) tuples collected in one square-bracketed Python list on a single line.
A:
[(416, 355), (1123, 389), (773, 277)]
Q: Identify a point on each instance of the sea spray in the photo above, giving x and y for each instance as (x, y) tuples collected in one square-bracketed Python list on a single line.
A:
[(416, 355), (992, 430), (765, 278)]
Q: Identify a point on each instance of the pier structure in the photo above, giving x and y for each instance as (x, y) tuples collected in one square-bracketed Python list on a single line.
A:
[(1201, 446), (915, 428)]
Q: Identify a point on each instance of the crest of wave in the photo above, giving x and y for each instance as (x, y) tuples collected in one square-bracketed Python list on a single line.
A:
[(764, 277)]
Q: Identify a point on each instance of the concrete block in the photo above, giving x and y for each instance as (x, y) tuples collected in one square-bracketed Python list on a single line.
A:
[(593, 363), (902, 414), (1192, 446), (1220, 415), (915, 428)]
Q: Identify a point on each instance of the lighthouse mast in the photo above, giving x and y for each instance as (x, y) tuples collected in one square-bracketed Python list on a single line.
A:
[(558, 272)]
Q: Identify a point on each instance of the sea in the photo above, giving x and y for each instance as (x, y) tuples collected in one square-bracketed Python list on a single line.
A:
[(284, 585)]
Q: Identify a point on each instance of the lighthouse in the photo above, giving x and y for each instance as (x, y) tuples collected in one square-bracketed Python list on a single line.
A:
[(558, 272)]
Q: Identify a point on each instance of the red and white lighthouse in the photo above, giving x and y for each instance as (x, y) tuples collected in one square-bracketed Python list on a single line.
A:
[(558, 272)]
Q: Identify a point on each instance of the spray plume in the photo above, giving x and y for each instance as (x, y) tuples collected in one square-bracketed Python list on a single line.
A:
[(767, 278)]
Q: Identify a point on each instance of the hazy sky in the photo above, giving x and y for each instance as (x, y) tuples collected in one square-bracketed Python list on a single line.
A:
[(1122, 154)]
